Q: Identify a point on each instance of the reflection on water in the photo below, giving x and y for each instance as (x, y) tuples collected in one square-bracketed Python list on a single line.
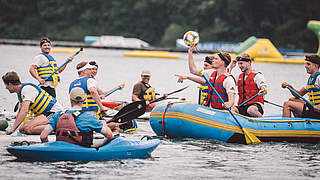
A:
[(173, 159)]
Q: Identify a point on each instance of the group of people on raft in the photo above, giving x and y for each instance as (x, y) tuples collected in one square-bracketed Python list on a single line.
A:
[(76, 125), (41, 113), (251, 86)]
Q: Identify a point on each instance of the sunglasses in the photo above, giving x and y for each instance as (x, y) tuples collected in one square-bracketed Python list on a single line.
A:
[(243, 59), (93, 63), (44, 41), (208, 60)]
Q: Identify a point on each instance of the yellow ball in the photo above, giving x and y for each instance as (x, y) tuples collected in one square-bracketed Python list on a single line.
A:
[(3, 125)]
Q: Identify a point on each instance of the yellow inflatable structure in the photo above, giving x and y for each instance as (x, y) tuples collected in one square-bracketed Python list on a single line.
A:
[(64, 50), (262, 50)]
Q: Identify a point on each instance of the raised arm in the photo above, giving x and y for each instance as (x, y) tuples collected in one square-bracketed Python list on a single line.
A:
[(192, 66)]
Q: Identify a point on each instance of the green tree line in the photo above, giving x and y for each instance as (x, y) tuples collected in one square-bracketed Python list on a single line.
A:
[(161, 22)]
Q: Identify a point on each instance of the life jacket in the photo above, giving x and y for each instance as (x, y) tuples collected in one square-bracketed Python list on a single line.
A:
[(213, 98), (67, 130), (203, 91), (248, 88), (89, 104), (148, 94), (45, 71), (313, 91), (42, 103), (129, 127)]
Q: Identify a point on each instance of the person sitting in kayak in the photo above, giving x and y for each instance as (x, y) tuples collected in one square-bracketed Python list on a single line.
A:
[(249, 84), (34, 100), (299, 107), (223, 82), (143, 90), (86, 81), (75, 125), (44, 65)]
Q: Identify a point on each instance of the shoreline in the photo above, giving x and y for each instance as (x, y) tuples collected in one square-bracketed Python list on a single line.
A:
[(25, 42)]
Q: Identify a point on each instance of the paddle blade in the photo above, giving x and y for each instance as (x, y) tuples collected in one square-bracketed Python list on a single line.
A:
[(250, 138), (129, 112)]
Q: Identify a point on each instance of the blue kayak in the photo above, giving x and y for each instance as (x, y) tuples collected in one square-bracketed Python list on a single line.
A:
[(189, 120), (118, 148)]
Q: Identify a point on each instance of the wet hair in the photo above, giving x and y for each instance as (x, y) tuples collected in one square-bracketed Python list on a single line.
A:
[(44, 40), (80, 65), (11, 77), (93, 63)]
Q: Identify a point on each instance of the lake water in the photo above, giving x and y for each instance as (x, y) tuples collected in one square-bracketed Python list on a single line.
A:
[(173, 159)]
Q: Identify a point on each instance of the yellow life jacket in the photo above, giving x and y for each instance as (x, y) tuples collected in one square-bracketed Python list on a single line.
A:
[(149, 94), (313, 91), (203, 91), (89, 103), (45, 71), (43, 102)]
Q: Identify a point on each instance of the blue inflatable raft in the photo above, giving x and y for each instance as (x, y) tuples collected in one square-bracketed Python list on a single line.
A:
[(119, 148), (188, 120)]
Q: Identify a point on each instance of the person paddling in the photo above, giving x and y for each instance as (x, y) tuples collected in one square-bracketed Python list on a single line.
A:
[(75, 126), (44, 65), (33, 99), (299, 107), (143, 90), (250, 83), (219, 78)]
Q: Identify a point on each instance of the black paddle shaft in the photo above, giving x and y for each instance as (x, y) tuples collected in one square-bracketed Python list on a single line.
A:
[(129, 112), (165, 97)]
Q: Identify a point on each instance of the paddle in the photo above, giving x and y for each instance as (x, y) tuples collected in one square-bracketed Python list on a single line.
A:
[(297, 94), (249, 99), (273, 103), (16, 107), (81, 49), (164, 97), (113, 91), (129, 112), (136, 109), (250, 138)]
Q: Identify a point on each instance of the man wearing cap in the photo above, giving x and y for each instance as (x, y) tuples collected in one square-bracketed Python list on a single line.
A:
[(222, 81), (32, 99), (44, 65), (301, 108), (86, 81), (143, 90), (250, 83), (75, 126)]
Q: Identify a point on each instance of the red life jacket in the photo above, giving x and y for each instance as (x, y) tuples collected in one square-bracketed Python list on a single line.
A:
[(248, 88), (67, 130), (218, 85)]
